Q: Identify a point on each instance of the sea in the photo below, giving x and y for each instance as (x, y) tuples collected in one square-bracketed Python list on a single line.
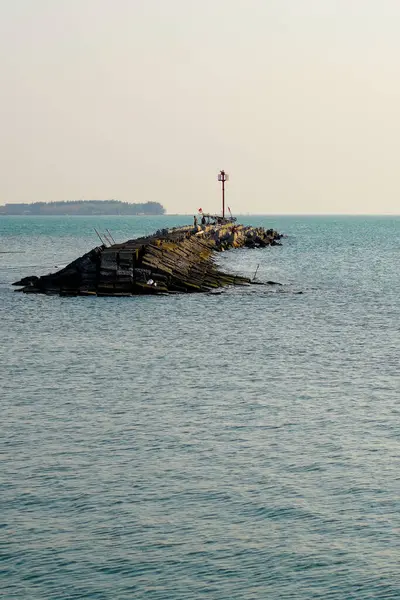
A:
[(234, 445)]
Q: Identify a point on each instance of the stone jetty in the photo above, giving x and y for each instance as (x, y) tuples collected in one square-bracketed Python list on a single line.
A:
[(169, 261)]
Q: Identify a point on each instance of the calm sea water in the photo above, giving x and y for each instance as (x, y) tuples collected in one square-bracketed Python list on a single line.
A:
[(243, 445)]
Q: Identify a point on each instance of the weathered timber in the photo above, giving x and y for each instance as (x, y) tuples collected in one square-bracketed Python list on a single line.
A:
[(170, 261)]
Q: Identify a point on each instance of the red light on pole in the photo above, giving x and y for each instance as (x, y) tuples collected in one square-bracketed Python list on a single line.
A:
[(222, 177)]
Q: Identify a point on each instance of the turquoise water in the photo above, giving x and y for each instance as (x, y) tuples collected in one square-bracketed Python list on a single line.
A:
[(243, 445)]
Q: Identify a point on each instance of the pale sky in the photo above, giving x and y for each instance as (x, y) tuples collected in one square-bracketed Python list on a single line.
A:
[(146, 100)]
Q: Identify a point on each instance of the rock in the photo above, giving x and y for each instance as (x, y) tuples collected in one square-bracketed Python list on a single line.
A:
[(176, 260), (27, 281)]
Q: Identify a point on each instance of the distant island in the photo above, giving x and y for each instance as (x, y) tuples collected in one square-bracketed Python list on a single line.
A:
[(83, 207)]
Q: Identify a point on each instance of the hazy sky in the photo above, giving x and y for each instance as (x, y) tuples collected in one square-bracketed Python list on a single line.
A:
[(299, 100)]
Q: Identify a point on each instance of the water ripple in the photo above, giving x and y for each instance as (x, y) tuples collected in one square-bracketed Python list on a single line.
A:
[(240, 446)]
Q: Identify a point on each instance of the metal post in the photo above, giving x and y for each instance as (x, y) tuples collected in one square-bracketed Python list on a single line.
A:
[(222, 177), (223, 194)]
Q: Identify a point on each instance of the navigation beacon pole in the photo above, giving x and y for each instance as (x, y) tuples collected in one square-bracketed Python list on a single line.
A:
[(222, 177)]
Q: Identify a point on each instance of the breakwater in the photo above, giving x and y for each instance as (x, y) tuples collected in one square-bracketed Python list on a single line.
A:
[(169, 261)]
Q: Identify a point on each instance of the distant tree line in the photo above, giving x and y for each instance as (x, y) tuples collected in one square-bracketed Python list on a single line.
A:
[(84, 207)]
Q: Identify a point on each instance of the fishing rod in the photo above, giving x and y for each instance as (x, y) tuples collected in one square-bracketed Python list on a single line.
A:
[(109, 233), (99, 236), (254, 276)]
